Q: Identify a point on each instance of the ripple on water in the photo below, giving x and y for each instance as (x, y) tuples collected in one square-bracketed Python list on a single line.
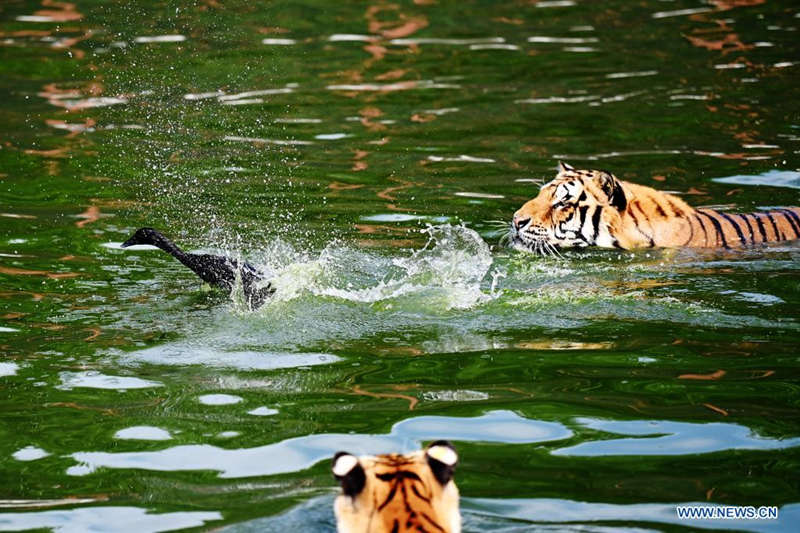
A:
[(299, 453)]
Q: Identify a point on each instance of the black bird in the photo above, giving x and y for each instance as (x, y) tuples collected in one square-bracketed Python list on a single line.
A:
[(216, 270)]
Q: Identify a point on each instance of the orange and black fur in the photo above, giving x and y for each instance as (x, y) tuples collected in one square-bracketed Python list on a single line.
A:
[(396, 493), (581, 208)]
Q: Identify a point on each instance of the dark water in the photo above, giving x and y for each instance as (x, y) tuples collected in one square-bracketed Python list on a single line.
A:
[(359, 152)]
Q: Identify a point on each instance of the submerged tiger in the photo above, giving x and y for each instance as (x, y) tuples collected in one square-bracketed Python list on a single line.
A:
[(582, 208), (398, 493)]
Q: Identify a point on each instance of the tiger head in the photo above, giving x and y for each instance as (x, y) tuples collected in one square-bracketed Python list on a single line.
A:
[(578, 208), (398, 493)]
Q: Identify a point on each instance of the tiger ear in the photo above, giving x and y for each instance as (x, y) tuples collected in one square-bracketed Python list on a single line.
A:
[(349, 473), (442, 460), (613, 189), (564, 167)]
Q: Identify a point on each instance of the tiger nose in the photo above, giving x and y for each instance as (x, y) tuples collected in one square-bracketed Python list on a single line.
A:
[(520, 222)]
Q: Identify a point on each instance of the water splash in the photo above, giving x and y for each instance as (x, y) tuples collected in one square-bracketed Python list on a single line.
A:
[(447, 273)]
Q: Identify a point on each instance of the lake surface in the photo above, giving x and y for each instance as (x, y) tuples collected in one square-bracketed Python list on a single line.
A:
[(360, 153)]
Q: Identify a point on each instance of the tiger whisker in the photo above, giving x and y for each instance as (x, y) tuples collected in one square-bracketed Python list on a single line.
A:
[(555, 251)]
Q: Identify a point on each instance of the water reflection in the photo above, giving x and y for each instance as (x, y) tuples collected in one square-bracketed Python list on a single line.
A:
[(29, 453), (549, 511), (196, 354), (771, 178), (228, 145), (299, 453), (8, 368), (92, 379), (125, 519), (652, 437), (536, 514), (143, 433)]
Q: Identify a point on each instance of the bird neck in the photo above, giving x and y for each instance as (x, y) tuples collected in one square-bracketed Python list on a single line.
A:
[(171, 248)]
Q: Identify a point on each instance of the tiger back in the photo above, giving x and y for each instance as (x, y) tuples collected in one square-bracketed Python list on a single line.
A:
[(396, 493)]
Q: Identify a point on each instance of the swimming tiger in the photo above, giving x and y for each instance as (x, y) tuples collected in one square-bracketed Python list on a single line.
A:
[(582, 208), (398, 493)]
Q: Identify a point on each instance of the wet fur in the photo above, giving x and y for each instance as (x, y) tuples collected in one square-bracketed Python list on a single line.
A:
[(397, 493), (581, 208)]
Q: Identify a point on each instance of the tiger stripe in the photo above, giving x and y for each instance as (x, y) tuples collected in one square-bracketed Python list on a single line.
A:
[(733, 223), (398, 493), (717, 227), (761, 228), (601, 210), (778, 234), (749, 227), (638, 227), (705, 231), (691, 232), (793, 220), (596, 222)]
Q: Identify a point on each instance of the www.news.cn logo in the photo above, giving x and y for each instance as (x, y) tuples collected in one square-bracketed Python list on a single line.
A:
[(726, 512)]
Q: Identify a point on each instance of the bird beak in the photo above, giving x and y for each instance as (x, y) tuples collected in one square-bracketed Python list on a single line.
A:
[(129, 242)]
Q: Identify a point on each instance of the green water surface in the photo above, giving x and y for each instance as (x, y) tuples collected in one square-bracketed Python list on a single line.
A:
[(359, 153)]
